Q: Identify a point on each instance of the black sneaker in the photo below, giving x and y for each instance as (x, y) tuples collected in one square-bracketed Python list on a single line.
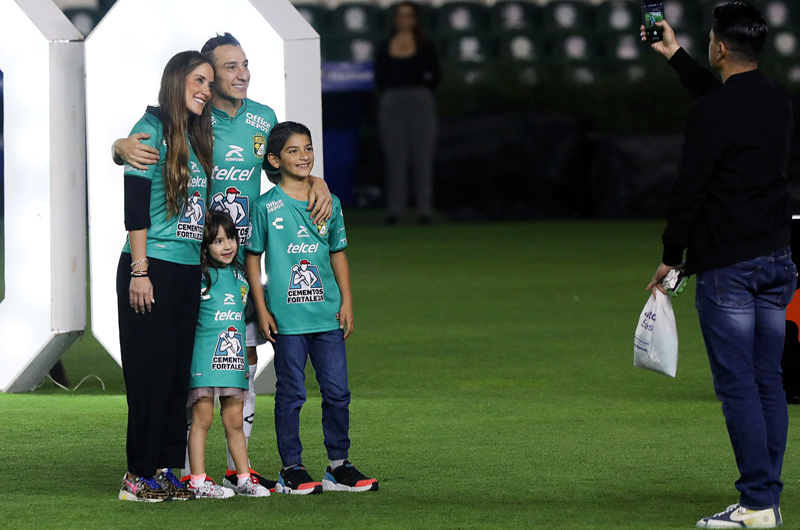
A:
[(297, 481), (176, 489), (230, 480), (347, 478)]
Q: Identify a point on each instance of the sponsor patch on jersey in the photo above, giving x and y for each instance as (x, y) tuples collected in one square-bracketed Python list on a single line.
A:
[(274, 205), (238, 207), (192, 218), (305, 285), (229, 353), (243, 291), (259, 145), (322, 228)]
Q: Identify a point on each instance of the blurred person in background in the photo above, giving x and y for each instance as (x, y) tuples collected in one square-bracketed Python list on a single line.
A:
[(407, 72), (729, 208)]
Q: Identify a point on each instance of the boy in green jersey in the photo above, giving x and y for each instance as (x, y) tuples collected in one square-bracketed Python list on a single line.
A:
[(308, 300)]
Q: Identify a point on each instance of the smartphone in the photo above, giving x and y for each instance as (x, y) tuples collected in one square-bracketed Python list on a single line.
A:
[(652, 12)]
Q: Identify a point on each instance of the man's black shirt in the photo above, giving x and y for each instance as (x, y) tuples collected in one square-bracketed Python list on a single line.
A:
[(730, 201)]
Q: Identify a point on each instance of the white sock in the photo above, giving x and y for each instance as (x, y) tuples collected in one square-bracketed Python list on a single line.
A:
[(248, 412), (336, 463), (198, 480)]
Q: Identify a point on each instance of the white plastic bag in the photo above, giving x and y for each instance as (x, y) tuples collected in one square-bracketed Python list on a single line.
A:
[(655, 344)]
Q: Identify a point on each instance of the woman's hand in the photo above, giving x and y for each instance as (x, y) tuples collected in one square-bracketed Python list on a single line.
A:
[(140, 294)]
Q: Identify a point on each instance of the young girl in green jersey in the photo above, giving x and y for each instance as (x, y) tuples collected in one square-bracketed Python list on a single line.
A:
[(219, 363)]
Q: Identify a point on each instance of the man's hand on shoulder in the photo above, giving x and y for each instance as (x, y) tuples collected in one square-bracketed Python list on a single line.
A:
[(668, 44), (132, 151)]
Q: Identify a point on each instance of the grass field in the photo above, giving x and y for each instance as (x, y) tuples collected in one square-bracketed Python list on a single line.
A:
[(493, 387)]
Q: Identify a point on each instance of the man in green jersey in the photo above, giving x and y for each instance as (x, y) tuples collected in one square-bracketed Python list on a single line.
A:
[(241, 128)]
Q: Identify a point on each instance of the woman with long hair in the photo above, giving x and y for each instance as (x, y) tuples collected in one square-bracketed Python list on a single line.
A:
[(158, 277), (407, 72)]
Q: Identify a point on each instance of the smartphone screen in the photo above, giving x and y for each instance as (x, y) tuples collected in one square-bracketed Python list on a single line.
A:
[(652, 12)]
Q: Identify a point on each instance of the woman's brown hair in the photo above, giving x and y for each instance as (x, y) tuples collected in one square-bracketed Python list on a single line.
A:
[(179, 123)]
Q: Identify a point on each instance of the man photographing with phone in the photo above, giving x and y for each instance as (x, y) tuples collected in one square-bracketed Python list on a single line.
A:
[(730, 210)]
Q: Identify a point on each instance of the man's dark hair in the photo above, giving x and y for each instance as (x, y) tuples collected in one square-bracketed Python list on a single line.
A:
[(281, 133), (220, 40), (742, 28)]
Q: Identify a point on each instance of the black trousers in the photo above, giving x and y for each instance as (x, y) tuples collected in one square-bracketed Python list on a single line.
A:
[(156, 352)]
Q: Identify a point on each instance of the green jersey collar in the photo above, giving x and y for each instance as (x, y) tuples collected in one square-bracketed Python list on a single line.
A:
[(221, 114)]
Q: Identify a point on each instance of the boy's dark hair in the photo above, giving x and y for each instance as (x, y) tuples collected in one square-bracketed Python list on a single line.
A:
[(742, 28), (215, 220), (214, 42), (281, 133)]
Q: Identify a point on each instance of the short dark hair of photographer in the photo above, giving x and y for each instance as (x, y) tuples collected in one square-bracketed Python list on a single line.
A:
[(742, 28)]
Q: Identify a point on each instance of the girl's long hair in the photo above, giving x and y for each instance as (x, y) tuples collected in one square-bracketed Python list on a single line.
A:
[(178, 123), (420, 35), (215, 220)]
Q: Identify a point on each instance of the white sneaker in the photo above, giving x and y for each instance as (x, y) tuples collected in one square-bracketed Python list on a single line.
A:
[(248, 488), (736, 516), (210, 490)]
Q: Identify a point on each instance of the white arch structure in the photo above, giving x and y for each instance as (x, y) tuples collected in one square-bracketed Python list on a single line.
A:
[(44, 309), (125, 56)]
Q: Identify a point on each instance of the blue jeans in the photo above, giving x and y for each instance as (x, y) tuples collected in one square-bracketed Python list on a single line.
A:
[(742, 310), (328, 357)]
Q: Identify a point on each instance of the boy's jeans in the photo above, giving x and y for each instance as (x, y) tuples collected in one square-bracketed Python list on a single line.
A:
[(327, 353), (742, 310)]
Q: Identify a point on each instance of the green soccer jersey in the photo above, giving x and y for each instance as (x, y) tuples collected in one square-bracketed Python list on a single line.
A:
[(220, 355), (301, 291), (240, 145), (177, 238)]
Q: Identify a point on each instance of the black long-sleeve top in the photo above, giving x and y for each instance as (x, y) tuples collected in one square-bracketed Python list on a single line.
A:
[(730, 202), (421, 69)]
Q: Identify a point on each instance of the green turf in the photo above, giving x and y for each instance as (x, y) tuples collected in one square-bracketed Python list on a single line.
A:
[(493, 387)]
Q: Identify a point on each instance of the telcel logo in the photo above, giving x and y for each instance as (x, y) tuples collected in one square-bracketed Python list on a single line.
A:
[(302, 248), (228, 315), (232, 173)]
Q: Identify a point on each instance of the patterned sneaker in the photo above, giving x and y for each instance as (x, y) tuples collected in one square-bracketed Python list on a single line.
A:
[(142, 490), (297, 481), (211, 490), (250, 488), (347, 478), (230, 480), (177, 490), (736, 516)]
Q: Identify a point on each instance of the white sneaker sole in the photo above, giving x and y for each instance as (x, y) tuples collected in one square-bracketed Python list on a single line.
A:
[(328, 485), (128, 496), (279, 488), (260, 493)]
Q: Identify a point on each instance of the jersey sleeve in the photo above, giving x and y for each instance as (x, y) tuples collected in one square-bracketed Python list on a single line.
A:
[(337, 237), (146, 125), (257, 242)]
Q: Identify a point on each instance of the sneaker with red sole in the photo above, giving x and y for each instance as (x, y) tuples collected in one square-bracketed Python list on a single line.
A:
[(231, 481), (347, 478), (297, 481)]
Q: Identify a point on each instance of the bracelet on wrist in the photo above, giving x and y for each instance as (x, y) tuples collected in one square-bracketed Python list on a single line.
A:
[(139, 274), (139, 262)]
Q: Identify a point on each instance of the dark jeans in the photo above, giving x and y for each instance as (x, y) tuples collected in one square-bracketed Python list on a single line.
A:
[(156, 352), (328, 357), (742, 310)]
